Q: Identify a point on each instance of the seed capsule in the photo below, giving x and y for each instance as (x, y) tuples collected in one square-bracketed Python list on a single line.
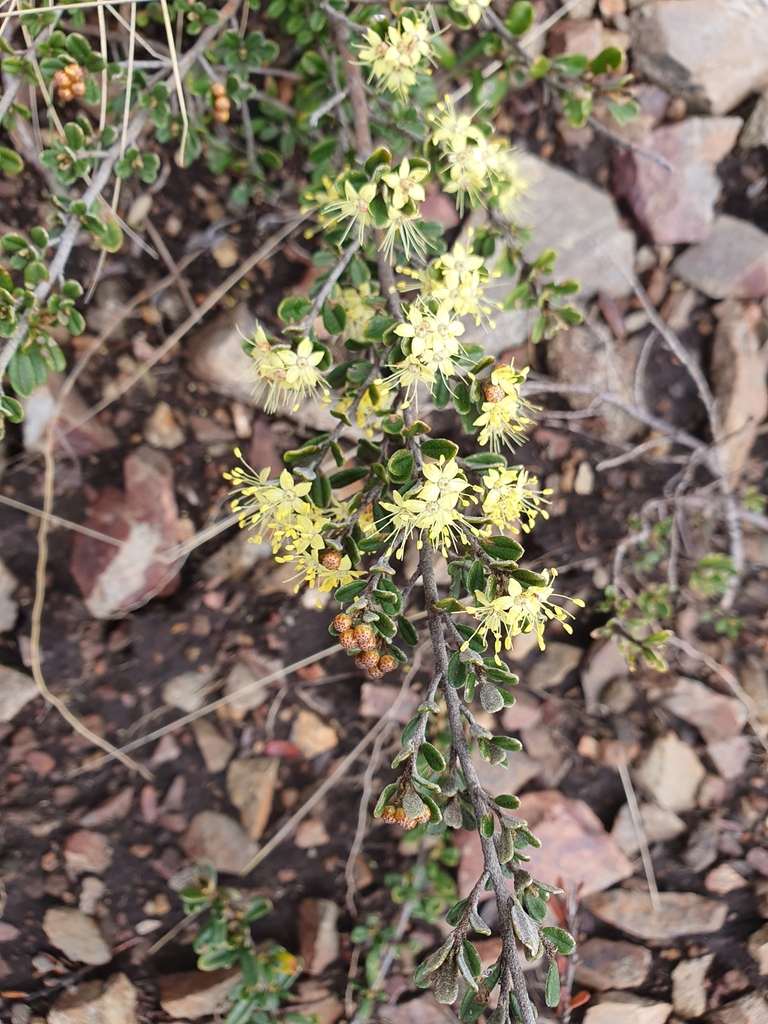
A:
[(330, 559), (365, 638), (367, 660), (376, 672), (219, 89), (387, 663), (342, 623), (348, 640)]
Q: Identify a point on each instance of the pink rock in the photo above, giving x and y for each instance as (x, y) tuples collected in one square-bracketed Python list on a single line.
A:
[(731, 756), (115, 579), (525, 713), (716, 716), (378, 698), (40, 762), (113, 809), (575, 846), (731, 263), (7, 932), (86, 851), (678, 205)]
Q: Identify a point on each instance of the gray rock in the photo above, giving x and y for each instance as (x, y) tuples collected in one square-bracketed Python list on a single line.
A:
[(581, 223), (215, 748), (731, 263), (77, 936), (9, 609), (689, 993), (554, 664), (71, 438), (714, 53), (603, 664), (716, 716), (671, 773), (16, 690), (755, 131), (677, 205), (680, 913), (578, 357), (750, 1009), (251, 785), (219, 839), (604, 964), (96, 1002), (188, 690), (658, 825), (161, 429), (318, 935)]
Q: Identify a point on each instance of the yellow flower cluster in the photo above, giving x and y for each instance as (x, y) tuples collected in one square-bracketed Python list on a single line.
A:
[(503, 419), (359, 308), (519, 610), (432, 508), (395, 57), (476, 166), (286, 376), (431, 345), (461, 284), (510, 496), (473, 9), (280, 511)]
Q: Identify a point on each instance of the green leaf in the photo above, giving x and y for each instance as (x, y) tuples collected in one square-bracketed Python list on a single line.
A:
[(322, 151), (503, 549), (526, 578), (456, 913), (11, 409), (400, 466), (379, 157), (79, 47), (10, 161), (607, 60), (507, 743), (562, 940), (540, 67), (112, 237), (21, 373), (624, 113), (507, 801), (449, 604), (409, 731), (293, 308), (350, 591), (34, 272), (434, 447), (433, 757), (407, 631), (75, 323), (487, 826), (485, 460), (520, 17), (552, 987), (348, 476), (334, 318), (257, 908), (572, 64)]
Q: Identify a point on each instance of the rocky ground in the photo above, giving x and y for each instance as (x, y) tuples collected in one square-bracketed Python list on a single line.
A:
[(171, 618)]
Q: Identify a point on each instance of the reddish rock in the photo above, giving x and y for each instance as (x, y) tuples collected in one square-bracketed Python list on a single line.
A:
[(114, 808), (86, 851), (144, 518), (732, 263), (677, 205)]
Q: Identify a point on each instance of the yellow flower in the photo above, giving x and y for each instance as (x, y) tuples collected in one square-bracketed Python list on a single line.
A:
[(354, 207), (512, 496), (432, 346), (404, 183), (394, 58), (403, 227), (472, 8), (444, 480), (503, 417), (455, 131)]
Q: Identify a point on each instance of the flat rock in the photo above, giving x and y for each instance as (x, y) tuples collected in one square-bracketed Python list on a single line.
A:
[(578, 357), (310, 834), (425, 1009), (731, 756), (659, 825), (188, 690), (16, 691), (161, 429), (680, 913), (193, 994), (677, 205), (318, 935), (569, 214), (9, 609), (71, 439), (96, 1002), (731, 263), (737, 369), (114, 808), (326, 1010), (671, 773), (689, 992), (217, 751), (716, 716), (605, 964), (714, 53), (87, 852), (554, 664), (219, 839), (749, 1009), (114, 580), (603, 664), (242, 685), (626, 1008), (377, 698), (77, 936), (757, 947), (311, 734), (525, 713), (251, 785), (755, 131), (724, 879), (496, 779)]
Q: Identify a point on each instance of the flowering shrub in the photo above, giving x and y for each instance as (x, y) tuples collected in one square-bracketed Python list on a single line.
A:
[(379, 344)]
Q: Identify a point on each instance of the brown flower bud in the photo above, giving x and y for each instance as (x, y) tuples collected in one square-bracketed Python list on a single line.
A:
[(219, 89), (367, 660), (329, 559), (74, 72), (78, 88), (493, 393), (387, 663), (365, 638), (348, 640), (342, 623), (376, 672)]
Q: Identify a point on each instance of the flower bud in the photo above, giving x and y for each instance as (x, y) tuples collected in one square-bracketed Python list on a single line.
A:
[(348, 640), (387, 663), (342, 623), (365, 638), (366, 660), (329, 559)]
